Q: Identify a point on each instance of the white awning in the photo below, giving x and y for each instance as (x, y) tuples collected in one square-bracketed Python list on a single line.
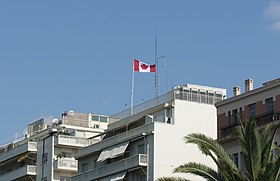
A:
[(105, 179), (118, 177), (119, 149), (105, 154), (113, 151)]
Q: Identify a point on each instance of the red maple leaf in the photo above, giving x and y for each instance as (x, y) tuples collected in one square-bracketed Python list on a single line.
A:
[(144, 66)]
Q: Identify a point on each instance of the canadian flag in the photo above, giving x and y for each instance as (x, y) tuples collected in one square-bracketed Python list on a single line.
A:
[(143, 67)]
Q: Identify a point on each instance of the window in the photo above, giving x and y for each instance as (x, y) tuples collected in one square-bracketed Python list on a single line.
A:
[(269, 105), (45, 157), (99, 118), (168, 114), (103, 119), (202, 96), (235, 158), (62, 178), (242, 162), (210, 97), (84, 167), (194, 96), (95, 118), (252, 110), (218, 96), (240, 113), (68, 154), (141, 149), (186, 94), (234, 117)]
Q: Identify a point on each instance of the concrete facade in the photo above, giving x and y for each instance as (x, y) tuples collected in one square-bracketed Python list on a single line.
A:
[(47, 152), (149, 144)]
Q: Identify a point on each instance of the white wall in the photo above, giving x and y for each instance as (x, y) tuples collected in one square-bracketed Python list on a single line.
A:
[(170, 149)]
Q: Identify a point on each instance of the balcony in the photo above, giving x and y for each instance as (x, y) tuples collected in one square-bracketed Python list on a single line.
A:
[(8, 153), (122, 165), (116, 139), (227, 131), (72, 141), (261, 120), (28, 170), (142, 107), (267, 118), (174, 94), (68, 164)]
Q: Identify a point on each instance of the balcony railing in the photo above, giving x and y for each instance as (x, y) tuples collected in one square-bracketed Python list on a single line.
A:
[(122, 165), (228, 130), (116, 139), (267, 118), (142, 107), (14, 151), (261, 120), (27, 170), (73, 141), (66, 164), (174, 94)]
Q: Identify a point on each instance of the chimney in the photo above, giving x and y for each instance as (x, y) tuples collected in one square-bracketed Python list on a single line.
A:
[(236, 91), (249, 85)]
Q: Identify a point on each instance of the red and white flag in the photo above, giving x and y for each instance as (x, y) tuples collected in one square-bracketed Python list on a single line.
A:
[(143, 67)]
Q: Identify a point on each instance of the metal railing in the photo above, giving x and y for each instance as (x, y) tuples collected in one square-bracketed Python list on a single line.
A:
[(267, 118), (116, 139), (228, 130), (20, 172), (142, 107), (174, 94), (260, 121), (125, 164), (9, 153)]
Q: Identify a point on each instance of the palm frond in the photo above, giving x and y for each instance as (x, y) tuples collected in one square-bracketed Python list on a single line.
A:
[(199, 169), (250, 143), (172, 179), (210, 147), (267, 145)]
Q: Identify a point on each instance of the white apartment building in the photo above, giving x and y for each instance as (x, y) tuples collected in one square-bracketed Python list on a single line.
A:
[(149, 144), (47, 152)]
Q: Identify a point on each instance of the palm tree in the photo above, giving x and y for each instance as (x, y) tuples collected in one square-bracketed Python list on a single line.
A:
[(257, 145)]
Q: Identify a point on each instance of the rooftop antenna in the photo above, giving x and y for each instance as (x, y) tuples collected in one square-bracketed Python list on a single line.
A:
[(156, 73)]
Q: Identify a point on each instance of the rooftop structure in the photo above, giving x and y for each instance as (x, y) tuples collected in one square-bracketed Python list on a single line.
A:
[(47, 152), (149, 144)]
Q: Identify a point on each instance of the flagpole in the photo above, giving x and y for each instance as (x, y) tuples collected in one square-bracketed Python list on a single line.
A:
[(132, 91)]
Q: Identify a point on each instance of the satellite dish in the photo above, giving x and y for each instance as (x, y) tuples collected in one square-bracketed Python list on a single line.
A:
[(55, 121)]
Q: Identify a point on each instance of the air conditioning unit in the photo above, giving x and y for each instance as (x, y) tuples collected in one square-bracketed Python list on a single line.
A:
[(96, 126)]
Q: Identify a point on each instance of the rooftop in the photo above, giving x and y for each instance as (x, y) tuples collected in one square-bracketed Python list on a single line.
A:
[(266, 86)]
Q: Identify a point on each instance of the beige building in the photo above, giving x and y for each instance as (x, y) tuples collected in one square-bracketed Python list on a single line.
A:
[(261, 104), (47, 152), (149, 144)]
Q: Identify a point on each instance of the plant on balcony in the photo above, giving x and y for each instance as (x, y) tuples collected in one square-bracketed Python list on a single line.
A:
[(61, 155), (257, 146), (64, 133)]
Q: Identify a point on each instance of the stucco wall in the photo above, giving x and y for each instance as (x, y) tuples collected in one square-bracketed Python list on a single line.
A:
[(170, 149)]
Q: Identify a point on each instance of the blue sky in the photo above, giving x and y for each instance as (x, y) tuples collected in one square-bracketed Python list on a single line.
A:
[(62, 55)]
